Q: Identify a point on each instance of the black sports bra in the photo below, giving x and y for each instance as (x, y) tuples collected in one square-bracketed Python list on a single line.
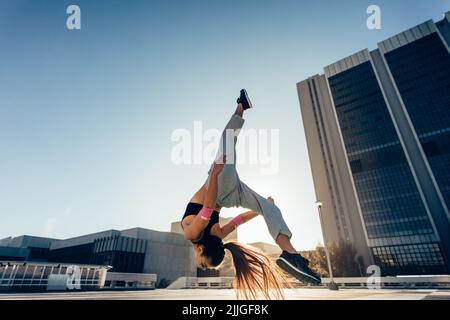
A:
[(193, 209)]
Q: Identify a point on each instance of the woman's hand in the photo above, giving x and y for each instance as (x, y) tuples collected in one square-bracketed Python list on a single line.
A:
[(218, 165)]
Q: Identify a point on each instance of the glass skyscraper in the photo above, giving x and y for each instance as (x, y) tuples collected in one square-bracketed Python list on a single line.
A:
[(379, 121)]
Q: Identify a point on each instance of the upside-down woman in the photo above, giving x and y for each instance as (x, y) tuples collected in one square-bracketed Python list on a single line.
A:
[(223, 188)]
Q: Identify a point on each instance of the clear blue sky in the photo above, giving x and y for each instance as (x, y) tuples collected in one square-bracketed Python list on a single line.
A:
[(86, 116)]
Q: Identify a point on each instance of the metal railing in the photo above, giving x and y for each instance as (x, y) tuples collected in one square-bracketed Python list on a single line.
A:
[(399, 282), (19, 275)]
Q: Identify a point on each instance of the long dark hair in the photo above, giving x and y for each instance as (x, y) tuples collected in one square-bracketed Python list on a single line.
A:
[(255, 275)]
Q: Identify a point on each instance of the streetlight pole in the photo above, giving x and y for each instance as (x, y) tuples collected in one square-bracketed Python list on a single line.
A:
[(332, 285)]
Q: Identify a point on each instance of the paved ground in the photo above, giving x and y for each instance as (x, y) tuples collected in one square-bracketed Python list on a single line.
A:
[(227, 294)]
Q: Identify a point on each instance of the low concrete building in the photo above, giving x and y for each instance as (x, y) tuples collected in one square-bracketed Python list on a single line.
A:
[(133, 251), (137, 257)]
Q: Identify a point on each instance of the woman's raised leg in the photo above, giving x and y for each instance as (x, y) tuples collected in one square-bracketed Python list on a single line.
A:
[(228, 178)]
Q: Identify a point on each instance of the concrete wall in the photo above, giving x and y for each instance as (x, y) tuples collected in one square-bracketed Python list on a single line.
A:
[(313, 134), (169, 261), (168, 254), (333, 183)]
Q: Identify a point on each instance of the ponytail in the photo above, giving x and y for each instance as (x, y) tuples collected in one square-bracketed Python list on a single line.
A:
[(255, 274)]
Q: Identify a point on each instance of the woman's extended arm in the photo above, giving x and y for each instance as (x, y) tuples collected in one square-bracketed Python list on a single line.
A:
[(230, 226), (195, 228)]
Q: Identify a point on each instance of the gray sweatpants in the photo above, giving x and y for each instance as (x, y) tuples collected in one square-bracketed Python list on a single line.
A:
[(232, 192)]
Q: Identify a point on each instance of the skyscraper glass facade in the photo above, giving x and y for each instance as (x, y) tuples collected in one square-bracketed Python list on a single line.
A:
[(390, 201), (421, 71)]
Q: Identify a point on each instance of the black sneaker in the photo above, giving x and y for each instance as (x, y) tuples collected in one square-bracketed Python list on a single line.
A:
[(244, 100), (297, 266)]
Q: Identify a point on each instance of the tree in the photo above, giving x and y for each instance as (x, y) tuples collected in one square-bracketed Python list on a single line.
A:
[(344, 261), (163, 283), (317, 260)]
